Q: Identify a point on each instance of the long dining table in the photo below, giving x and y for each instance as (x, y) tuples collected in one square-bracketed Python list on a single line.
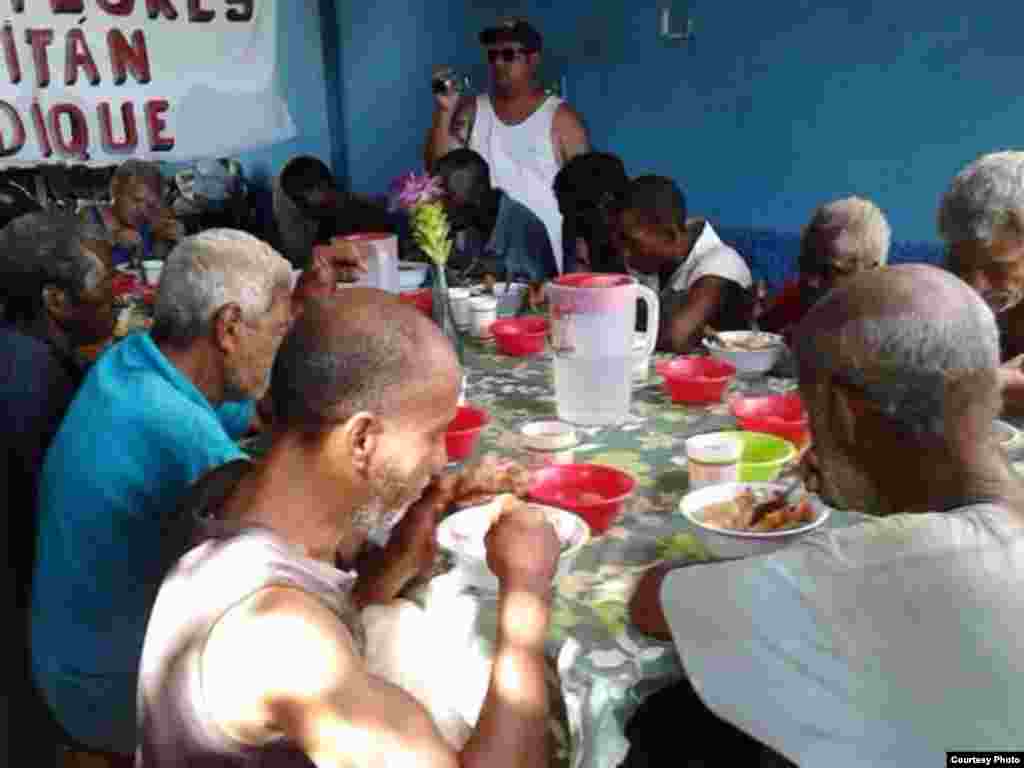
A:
[(602, 667), (605, 666)]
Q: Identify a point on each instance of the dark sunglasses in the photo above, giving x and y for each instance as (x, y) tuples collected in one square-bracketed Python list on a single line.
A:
[(508, 55)]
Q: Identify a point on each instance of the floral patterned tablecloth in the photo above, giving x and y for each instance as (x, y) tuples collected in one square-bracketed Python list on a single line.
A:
[(606, 666)]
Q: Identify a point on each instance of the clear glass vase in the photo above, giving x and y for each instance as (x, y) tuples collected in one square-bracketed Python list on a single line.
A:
[(442, 309)]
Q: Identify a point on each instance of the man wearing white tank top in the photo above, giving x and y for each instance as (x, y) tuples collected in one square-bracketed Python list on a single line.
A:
[(524, 134)]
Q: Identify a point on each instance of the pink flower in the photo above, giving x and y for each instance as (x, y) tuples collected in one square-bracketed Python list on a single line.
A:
[(411, 190)]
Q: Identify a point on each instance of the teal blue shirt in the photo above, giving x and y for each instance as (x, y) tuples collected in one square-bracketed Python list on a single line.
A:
[(135, 437)]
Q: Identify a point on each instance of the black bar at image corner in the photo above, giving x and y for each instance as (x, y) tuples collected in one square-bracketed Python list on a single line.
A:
[(989, 758)]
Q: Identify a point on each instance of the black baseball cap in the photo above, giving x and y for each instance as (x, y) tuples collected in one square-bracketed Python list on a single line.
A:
[(513, 31)]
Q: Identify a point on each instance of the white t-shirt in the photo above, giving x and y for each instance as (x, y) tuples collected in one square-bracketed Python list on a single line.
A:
[(708, 256), (886, 644)]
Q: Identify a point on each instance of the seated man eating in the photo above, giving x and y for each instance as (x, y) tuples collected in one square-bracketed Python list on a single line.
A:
[(494, 233), (254, 653), (843, 237), (981, 218), (860, 646), (700, 279), (155, 412)]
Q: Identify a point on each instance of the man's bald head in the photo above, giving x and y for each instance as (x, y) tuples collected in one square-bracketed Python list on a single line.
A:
[(362, 350), (897, 334)]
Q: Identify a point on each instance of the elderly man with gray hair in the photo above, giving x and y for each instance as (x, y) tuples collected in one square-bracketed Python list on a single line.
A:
[(981, 218), (842, 238), (891, 642), (146, 423)]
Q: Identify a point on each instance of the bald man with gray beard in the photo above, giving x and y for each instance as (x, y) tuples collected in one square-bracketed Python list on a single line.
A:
[(254, 654), (895, 641)]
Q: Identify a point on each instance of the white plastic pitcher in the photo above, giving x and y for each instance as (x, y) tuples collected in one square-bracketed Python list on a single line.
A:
[(380, 251), (593, 320)]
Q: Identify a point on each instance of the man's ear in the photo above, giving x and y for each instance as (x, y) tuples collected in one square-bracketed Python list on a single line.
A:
[(846, 409), (359, 440), (227, 328), (57, 302)]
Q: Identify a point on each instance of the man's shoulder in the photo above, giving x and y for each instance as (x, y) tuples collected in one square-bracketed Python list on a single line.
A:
[(515, 213), (127, 398), (710, 256)]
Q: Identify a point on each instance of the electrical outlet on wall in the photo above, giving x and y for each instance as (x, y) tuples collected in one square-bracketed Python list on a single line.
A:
[(675, 25)]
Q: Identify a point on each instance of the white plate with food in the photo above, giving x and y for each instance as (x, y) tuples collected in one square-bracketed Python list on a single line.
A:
[(462, 536), (752, 352), (721, 516)]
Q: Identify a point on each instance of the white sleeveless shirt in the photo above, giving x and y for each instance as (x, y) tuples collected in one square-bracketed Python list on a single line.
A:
[(522, 160)]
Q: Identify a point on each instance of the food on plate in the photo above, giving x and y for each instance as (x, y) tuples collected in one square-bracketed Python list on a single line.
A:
[(479, 483), (750, 342), (737, 514)]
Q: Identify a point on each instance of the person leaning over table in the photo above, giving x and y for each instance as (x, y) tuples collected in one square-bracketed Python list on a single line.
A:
[(361, 409), (150, 418), (310, 210), (589, 189), (506, 238), (524, 134), (896, 640), (136, 223), (981, 219), (842, 238), (700, 279)]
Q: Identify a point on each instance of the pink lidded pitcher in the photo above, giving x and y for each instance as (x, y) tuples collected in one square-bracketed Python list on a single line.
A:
[(593, 320)]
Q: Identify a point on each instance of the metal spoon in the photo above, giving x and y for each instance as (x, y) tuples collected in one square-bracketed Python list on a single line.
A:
[(764, 508)]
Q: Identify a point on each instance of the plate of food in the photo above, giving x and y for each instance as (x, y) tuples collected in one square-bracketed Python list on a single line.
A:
[(462, 536), (743, 519), (752, 352)]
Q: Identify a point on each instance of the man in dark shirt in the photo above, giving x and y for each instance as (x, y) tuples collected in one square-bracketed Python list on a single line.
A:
[(501, 235), (56, 285), (309, 210)]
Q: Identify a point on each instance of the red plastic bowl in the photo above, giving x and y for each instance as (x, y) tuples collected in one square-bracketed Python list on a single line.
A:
[(464, 431), (520, 336), (423, 298), (783, 415), (694, 379), (593, 491)]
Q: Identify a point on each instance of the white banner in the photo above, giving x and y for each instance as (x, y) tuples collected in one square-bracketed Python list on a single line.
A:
[(98, 81)]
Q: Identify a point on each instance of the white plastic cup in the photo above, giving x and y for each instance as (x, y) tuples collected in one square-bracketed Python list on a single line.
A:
[(151, 270), (713, 458), (483, 311), (459, 298)]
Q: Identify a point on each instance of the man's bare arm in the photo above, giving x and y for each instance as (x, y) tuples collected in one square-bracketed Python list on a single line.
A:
[(683, 321), (569, 134), (451, 128), (645, 609), (319, 694)]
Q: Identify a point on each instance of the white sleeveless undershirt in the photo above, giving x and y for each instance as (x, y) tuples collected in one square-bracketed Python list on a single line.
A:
[(522, 160)]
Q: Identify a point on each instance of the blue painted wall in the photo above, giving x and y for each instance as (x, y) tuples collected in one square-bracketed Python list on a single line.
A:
[(302, 77), (771, 110)]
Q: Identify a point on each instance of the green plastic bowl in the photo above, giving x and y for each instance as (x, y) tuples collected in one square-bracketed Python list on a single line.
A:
[(763, 456)]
